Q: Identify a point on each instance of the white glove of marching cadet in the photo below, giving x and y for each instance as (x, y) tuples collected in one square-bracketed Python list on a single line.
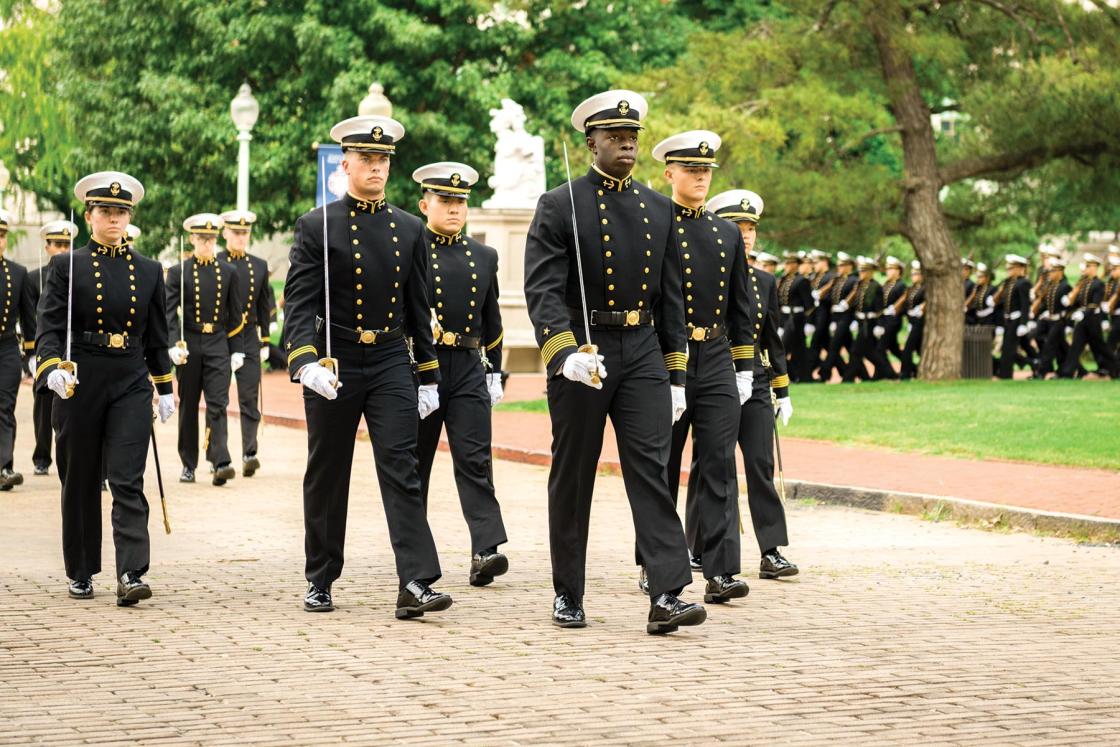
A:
[(783, 408), (916, 312), (889, 311), (1021, 330), (494, 386), (744, 380), (680, 402), (58, 381), (178, 355), (1077, 316), (1106, 306), (853, 327), (878, 331), (832, 328), (319, 379), (31, 360), (579, 367), (1105, 325), (236, 361), (816, 294), (264, 354), (166, 407), (427, 399), (809, 330), (841, 307)]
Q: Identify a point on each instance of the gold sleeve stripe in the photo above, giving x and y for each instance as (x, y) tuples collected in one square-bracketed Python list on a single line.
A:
[(162, 379), (556, 344), (46, 364), (739, 352), (301, 351), (494, 344), (780, 382), (676, 361), (238, 328), (428, 366), (29, 345)]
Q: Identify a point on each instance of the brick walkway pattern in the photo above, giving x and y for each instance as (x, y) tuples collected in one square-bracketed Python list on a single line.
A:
[(899, 631)]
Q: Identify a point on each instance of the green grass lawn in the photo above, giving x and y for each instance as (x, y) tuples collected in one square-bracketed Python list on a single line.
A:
[(1052, 422)]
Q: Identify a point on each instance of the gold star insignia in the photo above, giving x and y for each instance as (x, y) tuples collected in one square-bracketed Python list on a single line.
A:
[(545, 331)]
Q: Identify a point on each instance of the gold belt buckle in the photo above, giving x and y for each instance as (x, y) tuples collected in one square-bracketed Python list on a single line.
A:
[(116, 340), (368, 337), (207, 328), (448, 338), (632, 318), (698, 334)]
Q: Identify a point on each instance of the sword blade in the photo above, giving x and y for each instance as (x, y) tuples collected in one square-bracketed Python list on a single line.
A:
[(579, 254), (70, 290), (326, 269), (159, 481)]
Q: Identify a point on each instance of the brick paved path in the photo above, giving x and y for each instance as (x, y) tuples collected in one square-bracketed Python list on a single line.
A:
[(900, 631)]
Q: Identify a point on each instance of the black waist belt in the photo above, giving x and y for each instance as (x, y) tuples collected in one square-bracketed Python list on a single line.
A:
[(706, 334), (446, 339), (116, 340), (206, 328), (363, 337), (615, 319)]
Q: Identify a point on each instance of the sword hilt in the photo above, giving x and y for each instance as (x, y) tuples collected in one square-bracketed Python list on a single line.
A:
[(331, 364), (182, 345), (72, 368), (594, 351)]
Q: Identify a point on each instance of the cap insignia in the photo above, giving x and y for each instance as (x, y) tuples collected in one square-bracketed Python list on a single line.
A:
[(624, 107), (703, 148), (115, 188), (377, 133), (455, 179)]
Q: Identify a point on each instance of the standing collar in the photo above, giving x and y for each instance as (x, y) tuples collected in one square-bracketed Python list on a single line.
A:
[(107, 249), (442, 238), (365, 206), (608, 182), (203, 262), (687, 212)]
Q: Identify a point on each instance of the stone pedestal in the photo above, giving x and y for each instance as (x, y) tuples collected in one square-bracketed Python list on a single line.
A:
[(505, 229)]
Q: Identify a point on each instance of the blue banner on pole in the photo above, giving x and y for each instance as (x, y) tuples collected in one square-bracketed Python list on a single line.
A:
[(330, 163)]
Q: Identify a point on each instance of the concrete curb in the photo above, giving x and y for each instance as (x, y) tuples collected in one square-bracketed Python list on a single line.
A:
[(982, 515)]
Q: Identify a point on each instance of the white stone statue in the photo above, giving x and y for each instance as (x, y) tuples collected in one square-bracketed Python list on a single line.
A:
[(518, 179)]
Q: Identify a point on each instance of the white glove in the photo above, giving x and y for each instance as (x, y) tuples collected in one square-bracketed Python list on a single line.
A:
[(990, 302), (853, 327), (319, 379), (580, 366), (816, 294), (1045, 315), (832, 328), (1077, 316), (58, 380), (1032, 326), (1031, 294), (166, 407), (494, 385), (31, 361), (1021, 330), (878, 331), (744, 380), (784, 409), (178, 355), (781, 333), (680, 402), (1014, 315), (809, 330), (1105, 325), (1065, 300), (236, 361), (889, 311), (841, 307), (1106, 306), (427, 399), (264, 354)]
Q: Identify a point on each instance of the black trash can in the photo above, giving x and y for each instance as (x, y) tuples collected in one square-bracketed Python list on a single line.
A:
[(976, 363)]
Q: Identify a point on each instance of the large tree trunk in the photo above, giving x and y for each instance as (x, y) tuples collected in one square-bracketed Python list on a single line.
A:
[(942, 345)]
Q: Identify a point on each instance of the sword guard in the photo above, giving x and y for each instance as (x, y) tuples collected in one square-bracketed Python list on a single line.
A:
[(331, 364), (72, 368), (182, 345), (593, 350)]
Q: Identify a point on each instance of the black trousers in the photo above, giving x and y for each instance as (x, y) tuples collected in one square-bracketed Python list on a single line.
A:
[(41, 416), (889, 343), (818, 344), (756, 440), (793, 338), (377, 384), (1009, 350), (11, 373), (635, 395), (248, 403), (207, 373), (713, 490), (913, 347), (1088, 332), (464, 407), (1113, 341), (840, 339), (1051, 339), (110, 417), (865, 348)]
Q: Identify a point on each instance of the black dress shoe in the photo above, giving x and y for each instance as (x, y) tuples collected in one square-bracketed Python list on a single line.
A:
[(417, 597), (131, 589), (723, 588), (318, 599), (775, 566), (667, 613), (695, 563), (566, 613), (187, 475), (223, 474), (80, 588), (42, 469), (9, 479), (486, 565), (250, 465), (643, 581)]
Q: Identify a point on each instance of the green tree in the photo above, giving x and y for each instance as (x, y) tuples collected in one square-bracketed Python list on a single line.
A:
[(826, 111)]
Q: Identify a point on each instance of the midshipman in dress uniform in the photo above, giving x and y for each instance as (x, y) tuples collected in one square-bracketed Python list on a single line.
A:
[(18, 307), (601, 256), (252, 285), (102, 343), (463, 288), (1084, 303), (213, 320), (351, 352), (795, 297), (1014, 300)]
